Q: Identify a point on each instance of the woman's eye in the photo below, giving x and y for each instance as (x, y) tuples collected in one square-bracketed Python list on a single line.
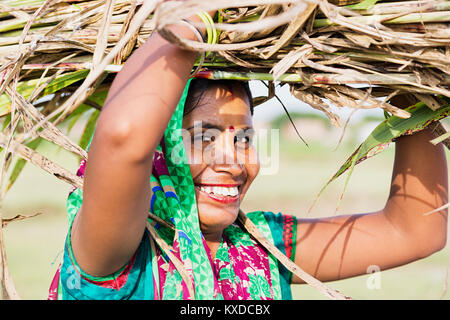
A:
[(245, 140), (204, 137)]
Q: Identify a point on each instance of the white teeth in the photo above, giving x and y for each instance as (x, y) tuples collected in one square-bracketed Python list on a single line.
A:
[(223, 191), (226, 191), (205, 189)]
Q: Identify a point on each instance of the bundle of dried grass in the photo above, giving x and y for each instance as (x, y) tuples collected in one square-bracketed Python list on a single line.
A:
[(58, 58), (319, 47)]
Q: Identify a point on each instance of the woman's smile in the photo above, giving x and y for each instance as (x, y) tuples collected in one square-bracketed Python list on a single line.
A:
[(223, 193)]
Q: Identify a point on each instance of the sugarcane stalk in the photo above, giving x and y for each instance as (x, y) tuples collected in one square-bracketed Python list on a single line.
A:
[(439, 16), (26, 88), (319, 78), (400, 7)]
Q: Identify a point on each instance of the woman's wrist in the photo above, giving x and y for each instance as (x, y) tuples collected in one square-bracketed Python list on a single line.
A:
[(200, 23), (423, 136), (430, 132), (196, 22)]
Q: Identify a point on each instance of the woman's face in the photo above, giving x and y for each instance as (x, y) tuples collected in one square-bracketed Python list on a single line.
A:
[(223, 161)]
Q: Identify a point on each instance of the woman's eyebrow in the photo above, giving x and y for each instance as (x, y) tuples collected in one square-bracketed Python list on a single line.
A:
[(203, 124), (207, 125)]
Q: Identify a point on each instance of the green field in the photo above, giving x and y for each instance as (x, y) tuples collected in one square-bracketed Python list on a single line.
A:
[(34, 246)]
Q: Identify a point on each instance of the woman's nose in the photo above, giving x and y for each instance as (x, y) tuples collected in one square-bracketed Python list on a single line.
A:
[(225, 157)]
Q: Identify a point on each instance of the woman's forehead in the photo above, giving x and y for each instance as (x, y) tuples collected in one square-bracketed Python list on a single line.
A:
[(221, 107)]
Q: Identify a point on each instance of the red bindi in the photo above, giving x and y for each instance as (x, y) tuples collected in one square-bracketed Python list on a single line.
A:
[(231, 128)]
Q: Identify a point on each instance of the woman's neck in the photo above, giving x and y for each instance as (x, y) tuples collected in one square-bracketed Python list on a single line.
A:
[(213, 241)]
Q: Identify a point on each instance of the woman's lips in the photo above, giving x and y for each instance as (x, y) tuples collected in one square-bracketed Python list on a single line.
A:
[(226, 199)]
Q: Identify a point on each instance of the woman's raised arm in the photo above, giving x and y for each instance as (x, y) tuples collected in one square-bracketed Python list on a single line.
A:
[(116, 196), (344, 246)]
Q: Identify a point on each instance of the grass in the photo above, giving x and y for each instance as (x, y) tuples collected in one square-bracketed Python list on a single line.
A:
[(34, 246), (34, 249)]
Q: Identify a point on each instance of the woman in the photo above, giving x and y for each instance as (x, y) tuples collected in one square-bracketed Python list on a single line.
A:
[(195, 250)]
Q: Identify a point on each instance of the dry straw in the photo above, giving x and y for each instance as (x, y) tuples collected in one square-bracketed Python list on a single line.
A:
[(58, 58)]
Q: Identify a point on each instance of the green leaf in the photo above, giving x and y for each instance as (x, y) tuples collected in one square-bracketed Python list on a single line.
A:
[(99, 97), (89, 129), (77, 7), (64, 81), (365, 5), (6, 121), (383, 134), (25, 88), (75, 116)]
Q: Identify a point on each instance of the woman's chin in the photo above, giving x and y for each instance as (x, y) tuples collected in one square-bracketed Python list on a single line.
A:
[(216, 218)]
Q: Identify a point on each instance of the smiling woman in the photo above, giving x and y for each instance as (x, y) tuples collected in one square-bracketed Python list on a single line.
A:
[(192, 139)]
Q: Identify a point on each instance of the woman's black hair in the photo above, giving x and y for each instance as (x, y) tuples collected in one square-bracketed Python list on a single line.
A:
[(198, 87)]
